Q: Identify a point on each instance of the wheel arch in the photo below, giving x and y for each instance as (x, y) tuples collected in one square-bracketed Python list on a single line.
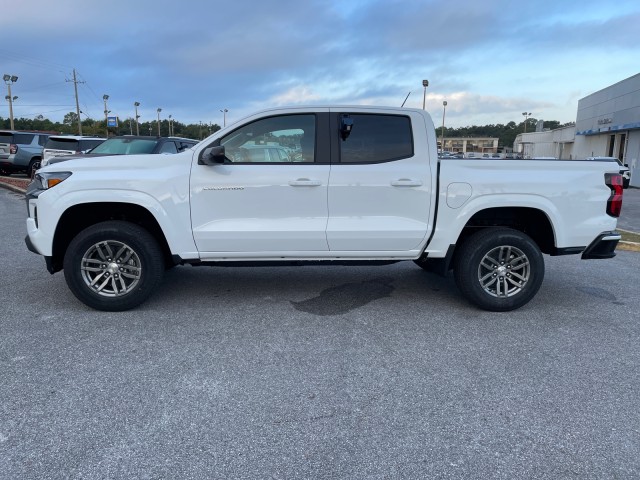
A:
[(531, 221), (78, 217)]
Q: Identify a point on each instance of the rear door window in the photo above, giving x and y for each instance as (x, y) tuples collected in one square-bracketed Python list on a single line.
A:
[(377, 138)]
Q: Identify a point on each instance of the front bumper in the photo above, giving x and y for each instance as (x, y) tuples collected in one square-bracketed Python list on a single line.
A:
[(602, 247)]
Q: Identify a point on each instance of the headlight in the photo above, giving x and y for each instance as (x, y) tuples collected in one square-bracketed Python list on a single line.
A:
[(45, 181)]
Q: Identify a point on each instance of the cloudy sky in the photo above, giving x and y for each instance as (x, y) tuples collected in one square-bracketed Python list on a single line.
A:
[(490, 60)]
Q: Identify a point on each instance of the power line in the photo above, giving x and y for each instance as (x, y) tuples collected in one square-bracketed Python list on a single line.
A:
[(33, 61)]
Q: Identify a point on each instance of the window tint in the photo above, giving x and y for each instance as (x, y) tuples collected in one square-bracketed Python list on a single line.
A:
[(126, 146), (377, 138), (185, 145), (42, 139), (23, 138), (62, 144), (168, 147), (282, 139), (86, 145), (6, 137)]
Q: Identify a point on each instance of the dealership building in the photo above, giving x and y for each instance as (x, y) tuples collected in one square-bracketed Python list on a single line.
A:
[(607, 125)]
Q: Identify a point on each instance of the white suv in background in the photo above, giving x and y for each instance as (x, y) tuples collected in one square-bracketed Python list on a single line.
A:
[(58, 145)]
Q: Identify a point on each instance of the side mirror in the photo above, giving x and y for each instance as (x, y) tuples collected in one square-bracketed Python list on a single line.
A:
[(213, 156), (346, 124)]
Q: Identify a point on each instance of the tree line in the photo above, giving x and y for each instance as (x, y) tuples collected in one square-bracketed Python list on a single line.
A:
[(506, 133), (69, 126)]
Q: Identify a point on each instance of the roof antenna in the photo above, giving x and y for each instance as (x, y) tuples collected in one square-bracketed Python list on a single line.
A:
[(405, 99)]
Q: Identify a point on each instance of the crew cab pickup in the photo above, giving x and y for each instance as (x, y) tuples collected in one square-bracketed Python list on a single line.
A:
[(350, 185)]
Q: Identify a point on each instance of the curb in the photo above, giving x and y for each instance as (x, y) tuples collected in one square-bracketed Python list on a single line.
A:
[(13, 188)]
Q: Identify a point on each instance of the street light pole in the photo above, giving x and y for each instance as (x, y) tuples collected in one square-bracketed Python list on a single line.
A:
[(425, 84), (526, 117), (224, 117), (444, 112), (159, 110), (170, 130), (10, 80), (106, 113), (136, 105)]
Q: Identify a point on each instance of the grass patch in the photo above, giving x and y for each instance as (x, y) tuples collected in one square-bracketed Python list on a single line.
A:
[(630, 236), (630, 241)]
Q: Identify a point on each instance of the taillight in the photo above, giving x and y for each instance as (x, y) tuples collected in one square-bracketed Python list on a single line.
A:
[(13, 148), (614, 204)]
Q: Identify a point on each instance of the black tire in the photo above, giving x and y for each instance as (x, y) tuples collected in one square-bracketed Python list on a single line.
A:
[(121, 260), (4, 172), (31, 166), (499, 269)]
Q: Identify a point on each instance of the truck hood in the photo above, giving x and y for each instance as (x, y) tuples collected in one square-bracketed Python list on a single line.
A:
[(64, 158)]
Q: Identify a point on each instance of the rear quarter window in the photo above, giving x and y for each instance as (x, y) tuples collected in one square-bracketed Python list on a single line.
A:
[(23, 138), (62, 144)]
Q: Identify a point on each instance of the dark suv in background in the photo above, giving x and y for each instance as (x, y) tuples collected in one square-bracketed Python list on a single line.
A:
[(20, 151)]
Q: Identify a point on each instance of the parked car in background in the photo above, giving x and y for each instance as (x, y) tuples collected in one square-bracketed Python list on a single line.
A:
[(131, 145), (20, 151), (58, 145), (264, 153)]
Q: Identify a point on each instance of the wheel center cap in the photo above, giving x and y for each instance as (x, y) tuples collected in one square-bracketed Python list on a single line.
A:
[(113, 268), (502, 271)]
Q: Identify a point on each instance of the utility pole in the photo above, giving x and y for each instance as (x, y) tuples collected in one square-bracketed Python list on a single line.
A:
[(136, 105), (106, 113), (425, 84), (75, 87), (10, 80)]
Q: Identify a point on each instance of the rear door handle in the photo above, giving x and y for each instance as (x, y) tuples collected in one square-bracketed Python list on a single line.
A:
[(304, 182), (406, 182)]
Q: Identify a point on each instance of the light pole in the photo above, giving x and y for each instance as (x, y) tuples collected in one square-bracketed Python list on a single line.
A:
[(159, 110), (526, 117), (136, 105), (10, 80), (170, 130), (224, 117), (425, 84), (106, 113), (444, 112)]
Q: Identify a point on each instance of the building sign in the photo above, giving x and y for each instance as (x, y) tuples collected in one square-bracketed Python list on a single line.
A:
[(112, 121), (605, 121)]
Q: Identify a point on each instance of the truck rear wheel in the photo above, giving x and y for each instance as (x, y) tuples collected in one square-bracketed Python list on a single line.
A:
[(113, 266), (499, 269)]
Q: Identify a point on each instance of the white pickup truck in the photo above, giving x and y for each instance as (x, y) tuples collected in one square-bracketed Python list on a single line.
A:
[(324, 185)]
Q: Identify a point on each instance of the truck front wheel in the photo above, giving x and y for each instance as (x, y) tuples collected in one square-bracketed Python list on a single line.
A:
[(499, 269), (113, 266)]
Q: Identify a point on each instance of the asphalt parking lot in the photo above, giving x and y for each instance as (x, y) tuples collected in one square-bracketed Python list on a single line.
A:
[(318, 372)]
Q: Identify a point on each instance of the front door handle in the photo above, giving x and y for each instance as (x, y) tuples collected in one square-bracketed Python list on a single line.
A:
[(304, 182), (406, 182)]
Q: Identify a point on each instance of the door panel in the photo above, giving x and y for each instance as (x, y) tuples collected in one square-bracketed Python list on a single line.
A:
[(382, 206), (255, 204)]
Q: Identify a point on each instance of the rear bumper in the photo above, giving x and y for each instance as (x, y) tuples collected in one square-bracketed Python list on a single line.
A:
[(602, 247)]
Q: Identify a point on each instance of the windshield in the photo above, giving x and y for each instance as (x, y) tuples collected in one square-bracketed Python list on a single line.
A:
[(125, 146)]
